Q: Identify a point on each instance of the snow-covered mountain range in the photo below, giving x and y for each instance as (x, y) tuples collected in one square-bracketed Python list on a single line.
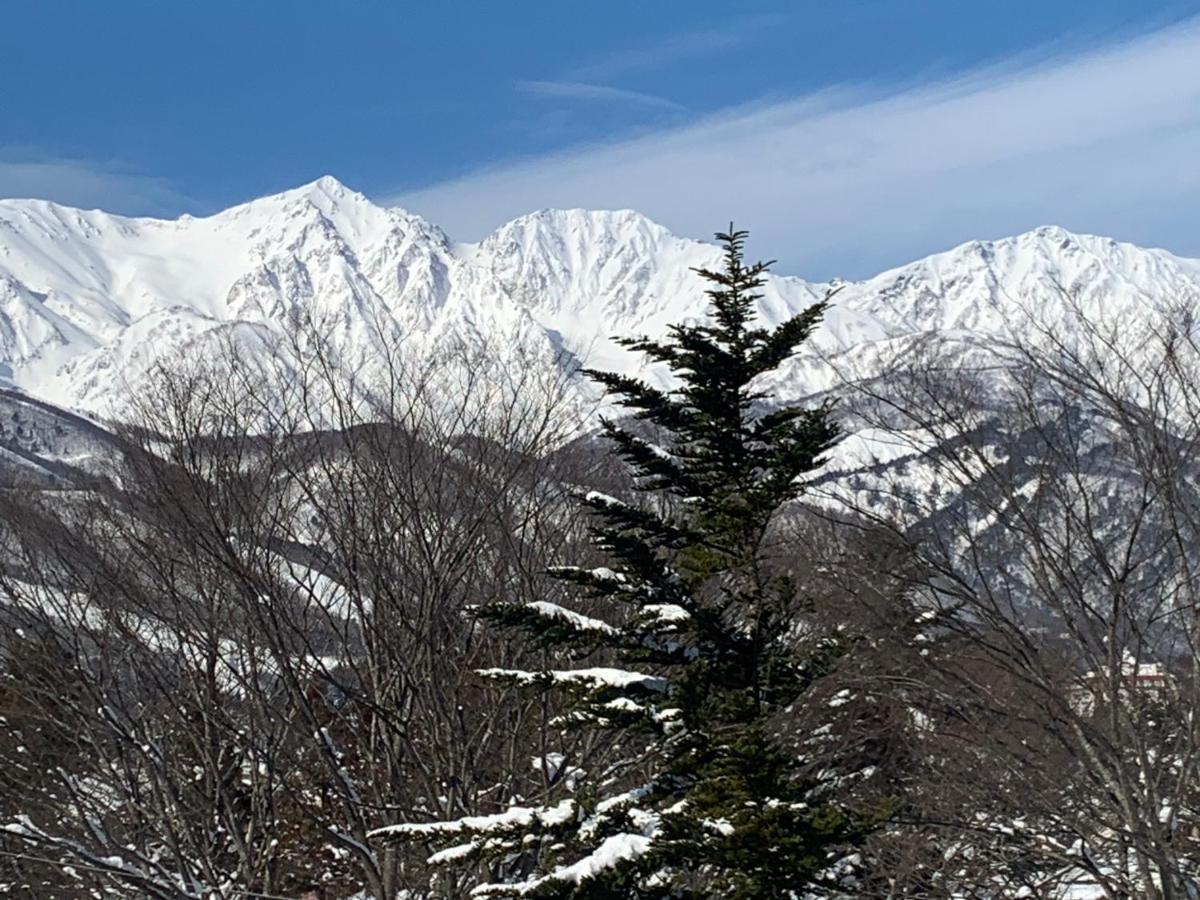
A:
[(89, 300)]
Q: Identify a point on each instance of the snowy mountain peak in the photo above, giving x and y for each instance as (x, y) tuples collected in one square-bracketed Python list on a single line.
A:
[(991, 287), (329, 185), (322, 191), (89, 300), (607, 221)]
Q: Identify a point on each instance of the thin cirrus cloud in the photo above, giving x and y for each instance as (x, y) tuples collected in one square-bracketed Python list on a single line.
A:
[(687, 45), (848, 181), (578, 90)]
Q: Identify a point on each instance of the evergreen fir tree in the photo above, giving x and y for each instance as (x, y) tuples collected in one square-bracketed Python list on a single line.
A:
[(706, 635)]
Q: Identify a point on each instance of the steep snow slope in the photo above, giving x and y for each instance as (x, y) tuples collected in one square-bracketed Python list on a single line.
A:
[(89, 301), (990, 287)]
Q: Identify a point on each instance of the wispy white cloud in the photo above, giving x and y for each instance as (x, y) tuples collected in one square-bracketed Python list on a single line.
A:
[(26, 172), (848, 180), (578, 90), (696, 43)]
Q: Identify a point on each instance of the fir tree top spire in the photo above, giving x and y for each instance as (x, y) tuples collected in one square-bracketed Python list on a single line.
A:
[(735, 466)]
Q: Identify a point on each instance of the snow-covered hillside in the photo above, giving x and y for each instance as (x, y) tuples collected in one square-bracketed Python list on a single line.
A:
[(89, 300)]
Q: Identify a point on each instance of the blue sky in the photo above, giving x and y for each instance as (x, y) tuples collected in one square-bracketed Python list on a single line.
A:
[(849, 136)]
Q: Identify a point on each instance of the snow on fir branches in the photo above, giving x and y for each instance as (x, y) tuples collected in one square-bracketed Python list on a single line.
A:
[(703, 649)]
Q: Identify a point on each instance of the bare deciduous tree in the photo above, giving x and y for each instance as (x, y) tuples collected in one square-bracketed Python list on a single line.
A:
[(1047, 489), (251, 645)]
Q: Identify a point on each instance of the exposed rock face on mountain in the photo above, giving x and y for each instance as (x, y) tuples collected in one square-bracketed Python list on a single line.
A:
[(89, 301)]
